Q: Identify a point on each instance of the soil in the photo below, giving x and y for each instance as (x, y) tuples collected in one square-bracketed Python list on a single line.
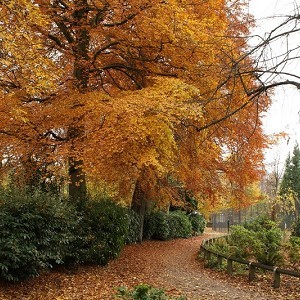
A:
[(171, 265)]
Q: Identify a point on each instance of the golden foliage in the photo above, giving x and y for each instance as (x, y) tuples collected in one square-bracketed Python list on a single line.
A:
[(140, 81)]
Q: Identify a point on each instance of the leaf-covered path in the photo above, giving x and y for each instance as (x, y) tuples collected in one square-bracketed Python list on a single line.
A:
[(171, 265)]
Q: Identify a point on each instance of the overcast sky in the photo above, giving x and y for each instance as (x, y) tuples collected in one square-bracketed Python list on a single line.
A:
[(284, 114)]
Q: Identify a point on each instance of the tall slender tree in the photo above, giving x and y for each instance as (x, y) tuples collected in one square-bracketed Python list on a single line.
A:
[(290, 184)]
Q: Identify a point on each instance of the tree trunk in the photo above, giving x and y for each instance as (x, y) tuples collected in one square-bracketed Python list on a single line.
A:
[(77, 178), (139, 206), (77, 182)]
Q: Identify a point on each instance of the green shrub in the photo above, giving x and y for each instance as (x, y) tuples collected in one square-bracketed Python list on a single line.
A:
[(35, 232), (269, 252), (149, 225), (293, 250), (156, 226), (260, 239), (243, 242), (162, 226), (179, 225), (39, 230), (198, 223), (102, 231), (221, 245), (259, 223), (296, 228), (144, 292), (134, 227)]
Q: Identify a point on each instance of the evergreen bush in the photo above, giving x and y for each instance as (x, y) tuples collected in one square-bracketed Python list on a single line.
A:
[(149, 225), (163, 226), (293, 250), (103, 230), (156, 226), (198, 223), (296, 228), (134, 226), (179, 225), (35, 232), (38, 230), (243, 242), (261, 239)]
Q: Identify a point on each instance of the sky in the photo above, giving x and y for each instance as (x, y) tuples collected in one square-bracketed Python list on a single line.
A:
[(284, 114)]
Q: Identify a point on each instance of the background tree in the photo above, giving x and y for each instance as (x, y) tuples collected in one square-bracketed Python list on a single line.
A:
[(271, 187), (290, 184)]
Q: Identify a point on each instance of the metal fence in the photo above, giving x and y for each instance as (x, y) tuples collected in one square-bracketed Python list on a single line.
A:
[(222, 220)]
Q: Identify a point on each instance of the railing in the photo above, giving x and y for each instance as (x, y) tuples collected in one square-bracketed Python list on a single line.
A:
[(251, 264)]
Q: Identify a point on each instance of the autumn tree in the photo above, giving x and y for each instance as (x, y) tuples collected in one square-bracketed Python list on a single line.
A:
[(144, 95)]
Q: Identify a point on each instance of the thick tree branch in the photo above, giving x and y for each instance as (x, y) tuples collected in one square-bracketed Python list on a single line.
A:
[(124, 21)]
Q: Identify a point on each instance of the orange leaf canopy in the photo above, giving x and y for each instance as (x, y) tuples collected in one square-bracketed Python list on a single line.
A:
[(142, 79)]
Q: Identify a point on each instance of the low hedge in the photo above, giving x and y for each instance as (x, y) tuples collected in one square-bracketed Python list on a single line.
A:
[(198, 223), (102, 231), (35, 232), (176, 224), (38, 231)]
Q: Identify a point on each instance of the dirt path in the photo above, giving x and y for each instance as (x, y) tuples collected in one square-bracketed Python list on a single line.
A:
[(171, 265)]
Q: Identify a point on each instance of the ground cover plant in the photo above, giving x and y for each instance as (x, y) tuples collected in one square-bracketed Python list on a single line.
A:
[(145, 292)]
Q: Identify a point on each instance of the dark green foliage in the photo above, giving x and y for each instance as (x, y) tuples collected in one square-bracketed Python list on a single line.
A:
[(296, 228), (102, 231), (260, 239), (293, 249), (133, 234), (291, 177), (198, 223), (243, 242), (149, 225), (221, 246), (163, 226), (35, 232), (259, 223), (39, 230), (179, 225), (144, 292)]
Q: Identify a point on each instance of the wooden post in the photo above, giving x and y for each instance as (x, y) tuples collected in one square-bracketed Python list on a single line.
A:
[(208, 256), (229, 266), (252, 270), (276, 278), (204, 254), (220, 259)]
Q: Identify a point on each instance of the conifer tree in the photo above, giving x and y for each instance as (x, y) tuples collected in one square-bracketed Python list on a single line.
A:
[(290, 185)]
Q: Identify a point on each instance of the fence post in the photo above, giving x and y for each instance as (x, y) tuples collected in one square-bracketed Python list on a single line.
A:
[(229, 266), (207, 256), (252, 270), (204, 254), (276, 278), (220, 259)]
